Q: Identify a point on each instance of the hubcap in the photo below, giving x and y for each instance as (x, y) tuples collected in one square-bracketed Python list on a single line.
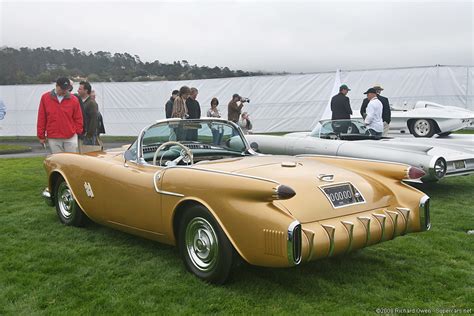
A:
[(202, 244), (65, 200), (422, 127)]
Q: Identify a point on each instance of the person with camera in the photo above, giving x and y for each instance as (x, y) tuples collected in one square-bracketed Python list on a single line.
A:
[(235, 108)]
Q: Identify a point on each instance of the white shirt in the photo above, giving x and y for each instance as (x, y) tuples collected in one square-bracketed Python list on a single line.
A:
[(373, 119)]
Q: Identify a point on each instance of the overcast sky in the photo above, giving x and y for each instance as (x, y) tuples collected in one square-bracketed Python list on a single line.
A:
[(293, 36)]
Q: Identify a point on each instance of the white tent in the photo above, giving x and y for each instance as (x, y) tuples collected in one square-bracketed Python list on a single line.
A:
[(278, 103)]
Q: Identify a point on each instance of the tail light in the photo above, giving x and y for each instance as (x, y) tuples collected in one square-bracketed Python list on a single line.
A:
[(283, 192), (415, 173)]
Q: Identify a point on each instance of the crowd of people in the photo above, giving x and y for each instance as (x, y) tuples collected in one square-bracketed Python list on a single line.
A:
[(69, 122), (183, 104), (375, 110)]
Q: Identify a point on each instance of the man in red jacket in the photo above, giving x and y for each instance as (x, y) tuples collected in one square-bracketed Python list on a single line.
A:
[(59, 118)]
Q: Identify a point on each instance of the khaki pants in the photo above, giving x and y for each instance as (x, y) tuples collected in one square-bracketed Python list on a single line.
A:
[(63, 145), (386, 127)]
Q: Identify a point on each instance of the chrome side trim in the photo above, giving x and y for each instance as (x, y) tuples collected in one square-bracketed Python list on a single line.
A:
[(227, 173), (424, 210), (48, 199), (381, 219), (394, 217), (156, 178), (349, 226), (349, 158), (366, 222), (406, 216), (330, 230), (294, 243)]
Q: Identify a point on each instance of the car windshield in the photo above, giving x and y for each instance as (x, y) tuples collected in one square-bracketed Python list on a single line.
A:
[(207, 139), (342, 129)]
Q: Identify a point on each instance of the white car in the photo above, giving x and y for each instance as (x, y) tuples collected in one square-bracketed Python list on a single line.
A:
[(425, 119), (350, 138)]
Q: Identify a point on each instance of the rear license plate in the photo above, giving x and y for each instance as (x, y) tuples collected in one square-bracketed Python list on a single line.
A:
[(342, 195), (460, 164)]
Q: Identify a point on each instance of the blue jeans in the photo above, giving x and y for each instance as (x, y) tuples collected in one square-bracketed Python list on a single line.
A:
[(90, 141), (217, 136)]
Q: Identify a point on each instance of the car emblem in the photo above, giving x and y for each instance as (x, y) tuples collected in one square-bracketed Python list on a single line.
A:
[(88, 188), (326, 177)]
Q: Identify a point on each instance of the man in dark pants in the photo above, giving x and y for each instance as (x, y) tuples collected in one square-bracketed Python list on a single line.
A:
[(194, 112), (386, 112), (169, 103), (91, 114), (341, 109)]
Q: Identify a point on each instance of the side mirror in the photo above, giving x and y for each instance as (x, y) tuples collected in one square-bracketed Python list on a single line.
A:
[(254, 146)]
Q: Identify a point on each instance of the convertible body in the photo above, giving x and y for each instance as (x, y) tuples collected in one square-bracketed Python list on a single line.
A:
[(437, 158), (198, 185)]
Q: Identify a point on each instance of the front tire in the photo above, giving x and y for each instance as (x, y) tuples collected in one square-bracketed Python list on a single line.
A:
[(69, 212), (423, 128), (204, 247)]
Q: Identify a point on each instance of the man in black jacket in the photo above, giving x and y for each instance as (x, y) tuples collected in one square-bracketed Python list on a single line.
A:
[(169, 103), (341, 109), (194, 112), (194, 109), (386, 112)]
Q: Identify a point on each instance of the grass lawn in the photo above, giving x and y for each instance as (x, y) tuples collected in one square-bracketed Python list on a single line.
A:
[(48, 268), (13, 149)]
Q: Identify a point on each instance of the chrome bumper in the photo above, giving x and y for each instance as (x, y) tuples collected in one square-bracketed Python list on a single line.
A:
[(47, 197)]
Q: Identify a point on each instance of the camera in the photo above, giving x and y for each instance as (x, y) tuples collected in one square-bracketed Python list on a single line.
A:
[(243, 100)]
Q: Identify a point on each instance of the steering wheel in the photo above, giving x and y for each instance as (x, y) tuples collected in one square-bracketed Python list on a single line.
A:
[(185, 155)]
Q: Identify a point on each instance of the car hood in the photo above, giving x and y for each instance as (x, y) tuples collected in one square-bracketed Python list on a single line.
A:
[(310, 203)]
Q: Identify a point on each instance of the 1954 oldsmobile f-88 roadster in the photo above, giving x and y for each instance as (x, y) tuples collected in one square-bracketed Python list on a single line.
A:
[(198, 185)]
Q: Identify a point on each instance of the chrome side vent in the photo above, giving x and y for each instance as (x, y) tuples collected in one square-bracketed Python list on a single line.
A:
[(274, 241), (294, 243)]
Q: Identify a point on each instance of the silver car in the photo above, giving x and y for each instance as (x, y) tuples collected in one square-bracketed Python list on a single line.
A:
[(350, 138)]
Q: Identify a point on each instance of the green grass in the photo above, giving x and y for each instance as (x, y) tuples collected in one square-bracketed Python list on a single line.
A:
[(13, 149), (48, 268)]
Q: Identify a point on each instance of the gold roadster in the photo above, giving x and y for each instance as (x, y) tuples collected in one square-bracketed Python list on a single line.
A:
[(198, 185)]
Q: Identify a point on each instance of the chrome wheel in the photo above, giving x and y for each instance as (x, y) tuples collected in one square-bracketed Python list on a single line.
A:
[(68, 210), (202, 244), (423, 128), (65, 200)]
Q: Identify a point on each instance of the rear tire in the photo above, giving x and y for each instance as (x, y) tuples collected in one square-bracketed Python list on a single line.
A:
[(205, 249), (423, 128), (69, 212)]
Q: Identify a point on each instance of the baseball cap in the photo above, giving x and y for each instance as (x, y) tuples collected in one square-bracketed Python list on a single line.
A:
[(344, 87), (378, 87), (370, 90), (63, 83)]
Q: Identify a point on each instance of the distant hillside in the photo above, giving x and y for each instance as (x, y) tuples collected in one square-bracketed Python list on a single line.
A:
[(44, 65)]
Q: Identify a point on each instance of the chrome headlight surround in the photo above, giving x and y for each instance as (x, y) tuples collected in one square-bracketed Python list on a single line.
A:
[(294, 243), (424, 211), (439, 168)]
